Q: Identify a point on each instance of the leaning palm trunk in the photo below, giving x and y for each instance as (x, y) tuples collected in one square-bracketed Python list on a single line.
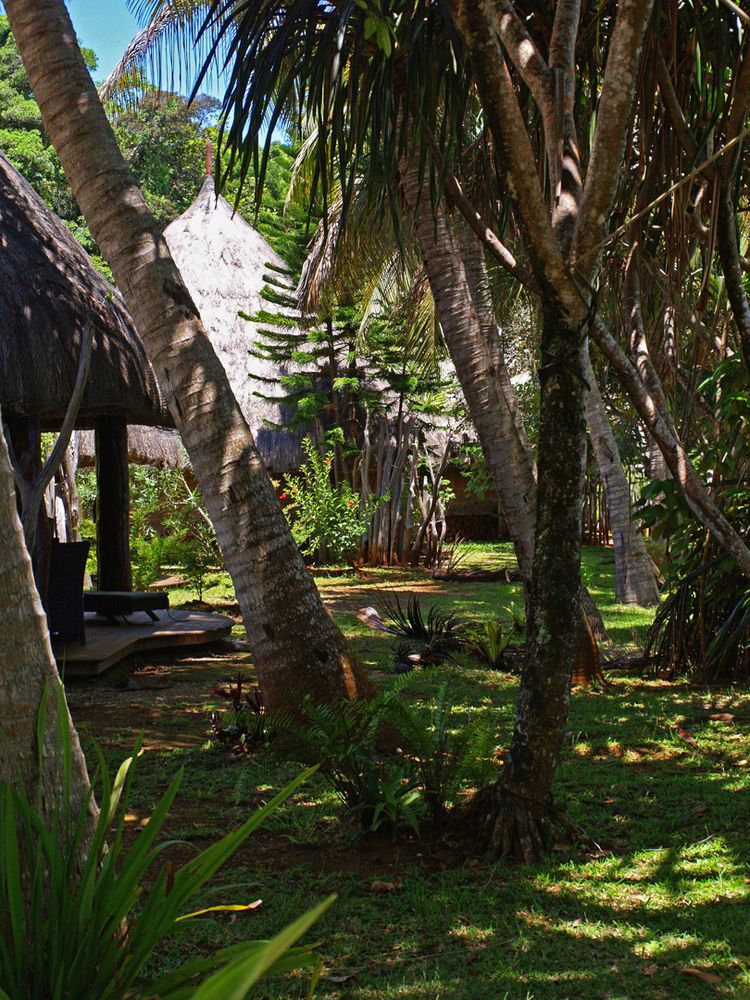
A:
[(27, 671), (296, 646), (504, 449), (635, 582), (459, 286)]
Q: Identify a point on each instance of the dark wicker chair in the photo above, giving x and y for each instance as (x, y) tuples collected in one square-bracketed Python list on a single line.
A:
[(67, 568)]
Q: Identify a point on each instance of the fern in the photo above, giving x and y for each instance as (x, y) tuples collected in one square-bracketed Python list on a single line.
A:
[(446, 757)]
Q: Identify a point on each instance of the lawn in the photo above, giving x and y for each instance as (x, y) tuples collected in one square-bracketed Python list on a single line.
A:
[(658, 775)]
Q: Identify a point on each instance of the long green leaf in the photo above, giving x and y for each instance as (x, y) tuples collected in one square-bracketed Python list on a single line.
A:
[(233, 982)]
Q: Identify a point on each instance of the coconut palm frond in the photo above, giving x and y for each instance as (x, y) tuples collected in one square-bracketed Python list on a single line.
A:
[(177, 40), (303, 170), (322, 60)]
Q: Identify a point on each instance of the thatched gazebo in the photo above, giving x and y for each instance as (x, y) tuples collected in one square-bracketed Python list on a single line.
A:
[(226, 263), (49, 290)]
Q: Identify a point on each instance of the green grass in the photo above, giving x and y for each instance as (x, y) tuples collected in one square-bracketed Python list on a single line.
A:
[(667, 890)]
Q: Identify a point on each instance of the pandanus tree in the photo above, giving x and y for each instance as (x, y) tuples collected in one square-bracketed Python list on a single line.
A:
[(295, 643), (424, 63), (388, 86)]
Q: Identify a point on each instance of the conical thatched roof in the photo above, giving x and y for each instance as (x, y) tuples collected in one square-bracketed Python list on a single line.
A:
[(223, 261), (48, 290)]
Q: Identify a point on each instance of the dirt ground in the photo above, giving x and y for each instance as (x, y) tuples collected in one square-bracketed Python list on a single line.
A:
[(167, 697)]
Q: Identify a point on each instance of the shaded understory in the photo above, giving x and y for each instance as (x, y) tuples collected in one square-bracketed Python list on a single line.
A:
[(660, 785)]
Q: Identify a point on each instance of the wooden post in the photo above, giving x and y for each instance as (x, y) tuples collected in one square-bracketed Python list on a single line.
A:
[(113, 505)]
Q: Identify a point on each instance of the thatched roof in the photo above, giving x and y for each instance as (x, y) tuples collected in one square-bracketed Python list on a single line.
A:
[(48, 290), (223, 261), (146, 446)]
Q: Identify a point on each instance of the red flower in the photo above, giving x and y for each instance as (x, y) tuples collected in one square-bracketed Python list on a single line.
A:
[(283, 495), (351, 503)]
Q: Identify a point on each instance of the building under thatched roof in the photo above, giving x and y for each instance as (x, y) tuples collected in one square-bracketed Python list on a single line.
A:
[(49, 289), (226, 263)]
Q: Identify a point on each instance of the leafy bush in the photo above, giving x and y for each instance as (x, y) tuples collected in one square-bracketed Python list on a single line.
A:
[(342, 740), (445, 756), (86, 927), (436, 759), (149, 555), (169, 526), (703, 626), (327, 521), (197, 554), (490, 640)]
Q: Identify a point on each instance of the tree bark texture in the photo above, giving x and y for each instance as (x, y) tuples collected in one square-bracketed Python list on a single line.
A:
[(295, 643), (27, 666), (469, 347), (635, 582), (521, 817)]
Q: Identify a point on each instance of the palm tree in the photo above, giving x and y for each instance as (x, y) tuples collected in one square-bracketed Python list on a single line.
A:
[(296, 645)]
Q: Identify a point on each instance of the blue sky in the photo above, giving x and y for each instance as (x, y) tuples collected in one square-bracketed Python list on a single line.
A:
[(104, 26)]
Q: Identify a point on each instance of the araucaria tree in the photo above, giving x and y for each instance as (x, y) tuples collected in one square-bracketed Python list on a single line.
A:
[(295, 643)]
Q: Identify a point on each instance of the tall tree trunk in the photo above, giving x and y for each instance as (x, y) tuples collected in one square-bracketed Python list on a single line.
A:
[(458, 280), (295, 643), (635, 582), (469, 346), (520, 815), (27, 667), (517, 815)]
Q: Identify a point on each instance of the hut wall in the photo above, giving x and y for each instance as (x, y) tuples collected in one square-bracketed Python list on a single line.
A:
[(473, 519)]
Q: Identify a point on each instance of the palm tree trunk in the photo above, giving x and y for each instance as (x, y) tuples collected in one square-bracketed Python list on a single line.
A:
[(296, 646), (27, 669), (496, 425), (635, 582), (458, 281)]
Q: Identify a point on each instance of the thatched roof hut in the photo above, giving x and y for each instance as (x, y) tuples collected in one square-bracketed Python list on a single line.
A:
[(49, 289), (225, 264)]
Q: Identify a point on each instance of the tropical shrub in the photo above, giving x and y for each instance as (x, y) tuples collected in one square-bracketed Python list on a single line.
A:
[(328, 521), (342, 740), (426, 639), (437, 756), (247, 727), (445, 755), (489, 641)]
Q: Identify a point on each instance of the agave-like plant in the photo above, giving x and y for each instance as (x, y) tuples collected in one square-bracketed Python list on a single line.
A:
[(432, 637)]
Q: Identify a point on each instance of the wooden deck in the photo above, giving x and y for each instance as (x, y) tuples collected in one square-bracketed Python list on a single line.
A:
[(107, 644)]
